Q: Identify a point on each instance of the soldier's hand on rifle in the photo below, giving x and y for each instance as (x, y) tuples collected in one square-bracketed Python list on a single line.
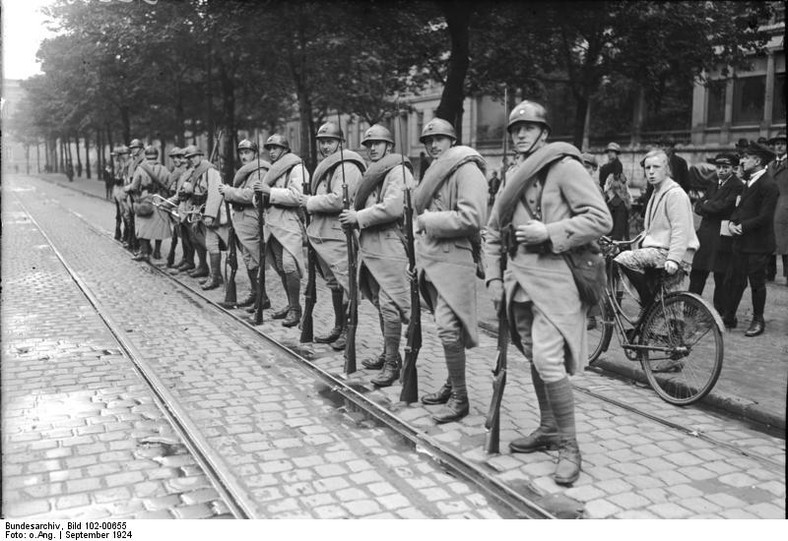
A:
[(495, 288), (208, 221), (417, 225), (222, 188), (260, 187), (532, 232), (303, 199), (349, 218), (413, 276)]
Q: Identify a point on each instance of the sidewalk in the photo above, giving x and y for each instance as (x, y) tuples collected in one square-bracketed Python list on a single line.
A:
[(754, 380)]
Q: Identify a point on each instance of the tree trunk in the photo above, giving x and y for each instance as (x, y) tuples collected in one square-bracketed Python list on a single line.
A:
[(38, 157), (580, 120), (99, 154), (228, 119), (125, 119), (458, 18), (79, 159), (27, 158), (180, 117), (87, 156), (109, 137)]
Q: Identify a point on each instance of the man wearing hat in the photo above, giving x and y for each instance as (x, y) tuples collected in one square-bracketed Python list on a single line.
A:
[(548, 206), (109, 177), (613, 165), (244, 215), (178, 168), (716, 206), (779, 171), (194, 195), (136, 157), (752, 228), (282, 188), (207, 179), (377, 211), (325, 233), (149, 178), (450, 208)]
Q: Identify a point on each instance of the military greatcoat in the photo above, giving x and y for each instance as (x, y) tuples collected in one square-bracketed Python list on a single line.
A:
[(444, 252), (157, 225), (325, 233), (281, 216)]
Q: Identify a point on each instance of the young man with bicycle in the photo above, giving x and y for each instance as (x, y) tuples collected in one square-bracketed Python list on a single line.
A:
[(548, 205), (668, 241)]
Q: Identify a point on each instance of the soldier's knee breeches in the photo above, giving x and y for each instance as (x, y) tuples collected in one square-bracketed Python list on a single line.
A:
[(542, 342)]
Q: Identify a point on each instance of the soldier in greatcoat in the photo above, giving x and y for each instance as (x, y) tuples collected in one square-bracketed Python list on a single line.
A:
[(325, 232), (548, 205), (377, 213), (194, 193), (178, 167), (149, 178), (282, 188), (244, 215), (136, 157), (207, 180), (181, 188), (716, 206), (450, 208)]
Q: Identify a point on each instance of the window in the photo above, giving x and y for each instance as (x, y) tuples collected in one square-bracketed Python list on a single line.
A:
[(749, 94), (778, 110), (716, 103)]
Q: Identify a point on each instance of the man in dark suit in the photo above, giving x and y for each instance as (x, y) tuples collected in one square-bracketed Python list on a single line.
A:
[(716, 206), (752, 228)]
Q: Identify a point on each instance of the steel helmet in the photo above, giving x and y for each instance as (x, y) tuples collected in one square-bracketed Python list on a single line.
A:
[(246, 144), (329, 130), (528, 111), (151, 151), (438, 126), (277, 140), (192, 150), (176, 151), (377, 133), (135, 143)]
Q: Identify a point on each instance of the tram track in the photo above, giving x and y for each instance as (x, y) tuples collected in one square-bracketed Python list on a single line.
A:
[(360, 401), (516, 501), (470, 471)]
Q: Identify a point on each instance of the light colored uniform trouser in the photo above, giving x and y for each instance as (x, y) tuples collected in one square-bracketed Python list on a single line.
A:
[(212, 236), (543, 344), (388, 309), (449, 325), (246, 229)]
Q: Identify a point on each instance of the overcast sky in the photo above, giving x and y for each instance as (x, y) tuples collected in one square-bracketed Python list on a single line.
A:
[(23, 31)]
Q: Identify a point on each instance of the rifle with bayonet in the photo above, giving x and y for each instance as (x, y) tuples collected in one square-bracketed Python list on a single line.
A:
[(310, 294), (352, 315), (410, 380), (493, 421), (260, 202)]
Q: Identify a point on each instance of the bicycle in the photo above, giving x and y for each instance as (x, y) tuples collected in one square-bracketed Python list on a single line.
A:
[(677, 339)]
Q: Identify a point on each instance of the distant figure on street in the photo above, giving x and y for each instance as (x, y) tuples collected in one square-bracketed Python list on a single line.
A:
[(752, 228), (613, 165), (109, 179), (70, 172), (615, 188), (495, 183)]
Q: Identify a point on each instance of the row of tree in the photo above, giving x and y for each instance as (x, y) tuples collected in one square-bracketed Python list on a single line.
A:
[(119, 70)]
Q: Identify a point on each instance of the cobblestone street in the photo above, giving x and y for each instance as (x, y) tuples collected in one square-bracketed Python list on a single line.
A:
[(83, 437)]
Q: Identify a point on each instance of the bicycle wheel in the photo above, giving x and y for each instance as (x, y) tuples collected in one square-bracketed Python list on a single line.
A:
[(599, 329), (688, 360)]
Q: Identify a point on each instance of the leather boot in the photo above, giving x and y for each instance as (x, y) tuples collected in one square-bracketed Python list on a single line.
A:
[(157, 250), (339, 319), (202, 269), (391, 368), (252, 297), (559, 395), (458, 406), (215, 279), (441, 396), (282, 313), (546, 435), (376, 363), (144, 253), (756, 327), (340, 343), (293, 291)]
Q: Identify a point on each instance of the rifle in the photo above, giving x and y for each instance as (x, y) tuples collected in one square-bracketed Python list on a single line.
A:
[(493, 421), (175, 229), (258, 315), (410, 380), (230, 296), (352, 315), (310, 294)]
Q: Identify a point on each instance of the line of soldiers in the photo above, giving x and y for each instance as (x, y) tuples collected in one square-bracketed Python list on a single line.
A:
[(549, 204)]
